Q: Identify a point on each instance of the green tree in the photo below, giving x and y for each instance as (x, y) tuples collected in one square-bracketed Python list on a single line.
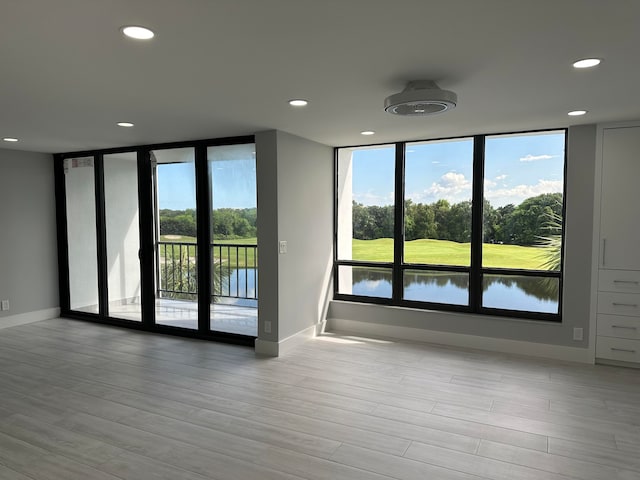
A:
[(441, 209), (502, 215), (490, 219), (460, 222), (424, 219), (526, 224)]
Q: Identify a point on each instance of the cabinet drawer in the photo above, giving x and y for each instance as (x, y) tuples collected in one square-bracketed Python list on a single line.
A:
[(619, 326), (619, 303), (620, 349), (623, 281)]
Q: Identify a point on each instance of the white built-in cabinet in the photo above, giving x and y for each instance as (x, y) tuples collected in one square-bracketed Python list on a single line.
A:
[(618, 285)]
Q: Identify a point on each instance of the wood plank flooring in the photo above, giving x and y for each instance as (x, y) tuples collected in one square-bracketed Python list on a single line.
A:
[(86, 401)]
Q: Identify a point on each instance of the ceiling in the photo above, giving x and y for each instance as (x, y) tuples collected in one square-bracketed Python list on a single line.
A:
[(221, 68)]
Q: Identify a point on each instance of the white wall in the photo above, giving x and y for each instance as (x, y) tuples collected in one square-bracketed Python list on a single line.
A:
[(295, 204), (345, 217), (267, 223), (412, 323), (28, 247)]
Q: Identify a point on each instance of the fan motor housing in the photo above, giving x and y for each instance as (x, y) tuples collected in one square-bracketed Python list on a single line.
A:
[(420, 98)]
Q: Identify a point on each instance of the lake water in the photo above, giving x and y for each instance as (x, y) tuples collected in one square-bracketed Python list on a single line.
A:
[(243, 283), (533, 294)]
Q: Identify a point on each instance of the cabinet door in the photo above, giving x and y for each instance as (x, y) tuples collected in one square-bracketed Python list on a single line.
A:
[(619, 217)]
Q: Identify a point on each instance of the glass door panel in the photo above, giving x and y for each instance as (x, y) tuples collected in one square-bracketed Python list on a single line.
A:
[(234, 270), (122, 235), (176, 247), (81, 234)]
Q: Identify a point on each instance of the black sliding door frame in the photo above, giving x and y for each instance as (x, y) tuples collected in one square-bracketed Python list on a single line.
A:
[(147, 247)]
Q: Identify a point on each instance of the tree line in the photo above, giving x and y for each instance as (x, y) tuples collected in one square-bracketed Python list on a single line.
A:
[(524, 224), (228, 223)]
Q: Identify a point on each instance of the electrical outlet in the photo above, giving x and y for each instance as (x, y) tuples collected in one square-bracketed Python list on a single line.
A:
[(267, 326), (577, 334), (283, 246), (5, 304)]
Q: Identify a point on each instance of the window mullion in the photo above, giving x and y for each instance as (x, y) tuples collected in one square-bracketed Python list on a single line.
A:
[(398, 223), (477, 202)]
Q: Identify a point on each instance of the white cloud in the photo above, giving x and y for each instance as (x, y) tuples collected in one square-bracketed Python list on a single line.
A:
[(535, 158), (452, 186), (501, 177), (518, 193)]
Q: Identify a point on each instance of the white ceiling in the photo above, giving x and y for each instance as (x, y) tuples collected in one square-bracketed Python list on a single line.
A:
[(227, 67)]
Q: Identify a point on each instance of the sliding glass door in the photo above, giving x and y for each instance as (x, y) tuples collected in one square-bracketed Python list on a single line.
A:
[(79, 184), (234, 247), (176, 302), (122, 232), (161, 238)]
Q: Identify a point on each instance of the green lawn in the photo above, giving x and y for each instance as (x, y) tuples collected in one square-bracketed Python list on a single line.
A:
[(229, 255), (443, 252), (439, 252), (185, 239)]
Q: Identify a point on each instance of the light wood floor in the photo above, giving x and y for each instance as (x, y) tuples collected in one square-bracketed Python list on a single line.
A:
[(84, 401)]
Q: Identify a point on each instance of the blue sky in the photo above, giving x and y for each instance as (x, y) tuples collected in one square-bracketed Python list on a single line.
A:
[(234, 184), (516, 168)]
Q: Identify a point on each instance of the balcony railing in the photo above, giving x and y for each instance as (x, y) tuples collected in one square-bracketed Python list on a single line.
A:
[(234, 271)]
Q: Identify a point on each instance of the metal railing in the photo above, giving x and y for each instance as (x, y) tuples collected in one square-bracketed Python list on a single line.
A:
[(234, 270)]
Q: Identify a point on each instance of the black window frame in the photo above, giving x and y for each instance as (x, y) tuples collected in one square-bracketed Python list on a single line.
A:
[(475, 270)]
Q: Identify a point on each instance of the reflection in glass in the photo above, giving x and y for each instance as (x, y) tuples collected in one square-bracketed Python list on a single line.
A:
[(123, 236), (437, 209), (507, 292), (365, 203), (436, 287), (365, 281), (234, 269), (524, 293), (81, 234), (523, 197), (176, 260)]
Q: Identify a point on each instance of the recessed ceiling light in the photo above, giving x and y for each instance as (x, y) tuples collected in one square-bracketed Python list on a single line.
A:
[(137, 32), (125, 124), (298, 102), (10, 139), (587, 63), (367, 132), (576, 113)]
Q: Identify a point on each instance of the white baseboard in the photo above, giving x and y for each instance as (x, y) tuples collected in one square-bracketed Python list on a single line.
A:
[(543, 350), (29, 317), (275, 349)]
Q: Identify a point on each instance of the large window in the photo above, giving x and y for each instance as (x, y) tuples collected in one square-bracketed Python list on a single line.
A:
[(469, 224)]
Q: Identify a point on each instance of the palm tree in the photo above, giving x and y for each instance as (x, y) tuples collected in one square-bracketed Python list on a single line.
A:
[(552, 254), (179, 276), (552, 243)]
